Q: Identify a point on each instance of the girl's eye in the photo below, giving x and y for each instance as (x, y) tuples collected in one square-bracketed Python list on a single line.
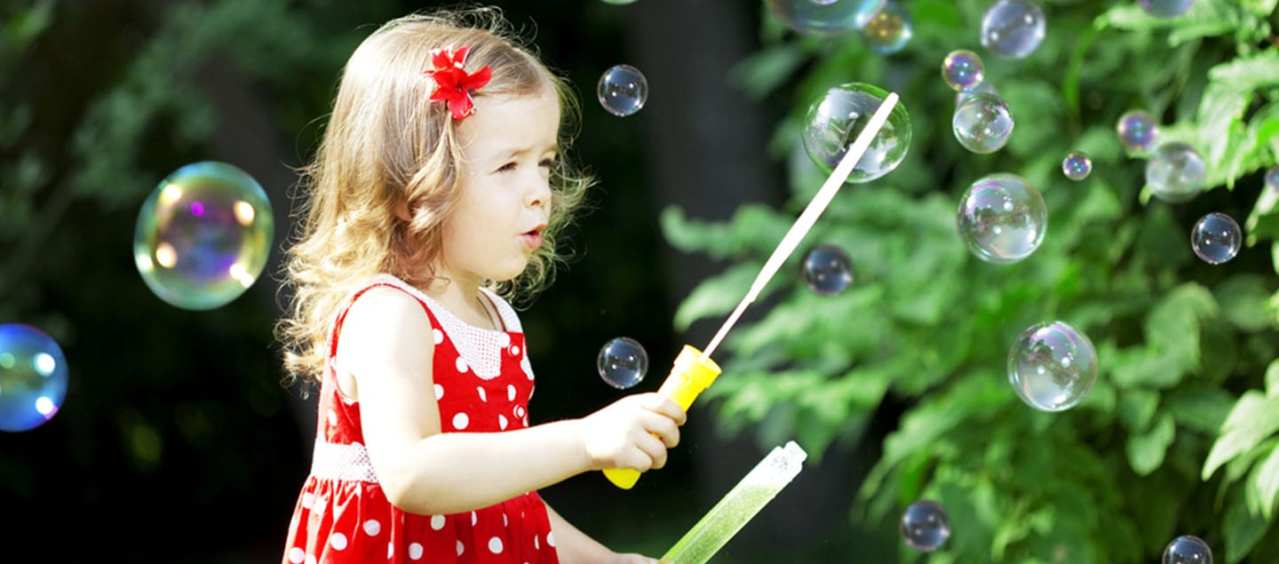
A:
[(547, 163), (508, 167)]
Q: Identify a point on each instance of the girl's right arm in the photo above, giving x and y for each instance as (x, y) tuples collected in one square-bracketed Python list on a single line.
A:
[(387, 347)]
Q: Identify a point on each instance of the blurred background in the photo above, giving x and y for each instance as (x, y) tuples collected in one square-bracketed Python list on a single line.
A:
[(177, 441)]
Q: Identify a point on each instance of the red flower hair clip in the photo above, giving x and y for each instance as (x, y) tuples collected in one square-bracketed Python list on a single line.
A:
[(453, 85)]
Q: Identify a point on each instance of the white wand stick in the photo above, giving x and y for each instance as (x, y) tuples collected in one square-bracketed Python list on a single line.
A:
[(806, 220)]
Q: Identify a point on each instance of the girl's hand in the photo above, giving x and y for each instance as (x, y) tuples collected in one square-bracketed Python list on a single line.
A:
[(632, 559), (633, 432)]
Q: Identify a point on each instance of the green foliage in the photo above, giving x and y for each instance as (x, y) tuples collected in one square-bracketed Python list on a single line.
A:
[(1180, 435)]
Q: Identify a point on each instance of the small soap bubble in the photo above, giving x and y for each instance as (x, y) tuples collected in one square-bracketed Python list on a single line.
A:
[(203, 235), (33, 377), (1216, 238), (622, 90), (983, 123), (1076, 166), (827, 269), (835, 121), (889, 30), (825, 17), (1166, 8), (1137, 131), (1052, 366), (925, 526), (1187, 549), (1175, 173), (622, 363), (1002, 218), (963, 70), (1013, 28)]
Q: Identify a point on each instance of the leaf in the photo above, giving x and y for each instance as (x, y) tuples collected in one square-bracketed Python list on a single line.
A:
[(1137, 407), (1263, 486), (1272, 378), (1146, 452), (1242, 528), (766, 70), (1221, 119), (1201, 408), (1254, 417), (1243, 301)]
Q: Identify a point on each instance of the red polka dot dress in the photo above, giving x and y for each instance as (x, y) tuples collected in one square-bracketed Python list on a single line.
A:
[(483, 382)]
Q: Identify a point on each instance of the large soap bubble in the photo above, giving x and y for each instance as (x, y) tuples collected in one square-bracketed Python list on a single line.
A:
[(835, 121)]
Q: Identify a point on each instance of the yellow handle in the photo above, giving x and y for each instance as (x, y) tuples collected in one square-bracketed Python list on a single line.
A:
[(692, 374)]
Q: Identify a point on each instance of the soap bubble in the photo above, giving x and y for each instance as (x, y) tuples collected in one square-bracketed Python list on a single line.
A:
[(925, 526), (825, 17), (985, 87), (1076, 166), (962, 70), (1166, 8), (1187, 549), (1137, 130), (622, 90), (1175, 173), (1013, 28), (1052, 366), (203, 235), (827, 269), (1002, 218), (622, 363), (982, 123), (33, 377), (889, 30), (1216, 238), (835, 121)]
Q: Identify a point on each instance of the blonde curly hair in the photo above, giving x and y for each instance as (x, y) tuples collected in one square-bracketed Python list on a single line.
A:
[(387, 147)]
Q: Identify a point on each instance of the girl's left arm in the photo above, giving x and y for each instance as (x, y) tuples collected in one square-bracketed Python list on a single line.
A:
[(576, 547)]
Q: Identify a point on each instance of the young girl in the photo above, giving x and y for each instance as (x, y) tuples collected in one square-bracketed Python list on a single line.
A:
[(438, 186)]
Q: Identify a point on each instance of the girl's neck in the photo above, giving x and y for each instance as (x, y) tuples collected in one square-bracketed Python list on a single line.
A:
[(460, 294)]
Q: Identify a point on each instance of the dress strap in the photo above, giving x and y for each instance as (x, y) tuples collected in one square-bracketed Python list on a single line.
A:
[(341, 318)]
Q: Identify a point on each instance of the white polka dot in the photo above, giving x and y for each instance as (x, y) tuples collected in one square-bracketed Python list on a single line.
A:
[(372, 527), (437, 522), (480, 390), (515, 350), (515, 411), (510, 392), (474, 518), (501, 421), (439, 391), (310, 559), (333, 418), (308, 499), (390, 550), (415, 551), (505, 523), (519, 411), (550, 539), (460, 421), (460, 548), (495, 545), (338, 541), (296, 555), (536, 545), (439, 336), (461, 365)]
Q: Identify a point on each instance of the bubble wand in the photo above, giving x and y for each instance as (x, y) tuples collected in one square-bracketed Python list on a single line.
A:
[(694, 371)]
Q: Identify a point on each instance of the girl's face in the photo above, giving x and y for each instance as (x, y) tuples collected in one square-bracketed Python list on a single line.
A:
[(510, 145)]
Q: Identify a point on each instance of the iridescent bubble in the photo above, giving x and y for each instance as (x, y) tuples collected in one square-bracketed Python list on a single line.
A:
[(825, 17), (1272, 178), (1175, 173), (1076, 166), (33, 377), (982, 123), (1137, 130), (827, 269), (622, 363), (835, 121), (925, 526), (1216, 238), (1166, 8), (962, 70), (622, 90), (1187, 549), (1052, 366), (203, 235), (1013, 28), (1002, 218), (889, 30)]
